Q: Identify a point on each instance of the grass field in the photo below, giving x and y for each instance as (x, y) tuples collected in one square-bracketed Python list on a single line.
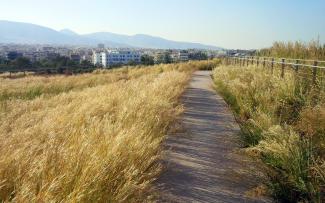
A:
[(283, 123), (313, 50), (87, 138)]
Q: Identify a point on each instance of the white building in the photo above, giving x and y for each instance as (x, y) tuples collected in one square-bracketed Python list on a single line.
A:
[(183, 56), (114, 57), (97, 58), (180, 56)]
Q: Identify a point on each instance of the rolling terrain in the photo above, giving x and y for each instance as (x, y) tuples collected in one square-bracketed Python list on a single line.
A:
[(26, 33)]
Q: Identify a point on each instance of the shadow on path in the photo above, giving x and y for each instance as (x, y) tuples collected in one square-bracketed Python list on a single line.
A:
[(203, 163)]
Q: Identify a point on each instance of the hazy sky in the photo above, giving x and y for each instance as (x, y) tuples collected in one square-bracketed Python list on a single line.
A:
[(225, 23)]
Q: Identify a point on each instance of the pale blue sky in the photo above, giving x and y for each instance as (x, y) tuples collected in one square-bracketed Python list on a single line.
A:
[(225, 23)]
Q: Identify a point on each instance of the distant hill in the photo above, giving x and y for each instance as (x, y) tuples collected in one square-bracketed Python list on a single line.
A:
[(26, 33), (69, 32), (147, 41)]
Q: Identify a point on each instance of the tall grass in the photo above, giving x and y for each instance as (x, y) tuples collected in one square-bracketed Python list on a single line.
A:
[(33, 86), (97, 144), (30, 87), (297, 50), (283, 124)]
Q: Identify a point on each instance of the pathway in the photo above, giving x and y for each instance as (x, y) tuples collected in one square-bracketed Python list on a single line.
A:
[(204, 163)]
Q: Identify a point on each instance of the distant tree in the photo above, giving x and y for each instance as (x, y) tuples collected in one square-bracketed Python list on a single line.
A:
[(167, 58), (147, 60), (99, 66), (43, 63), (132, 63), (61, 61), (160, 58), (198, 56), (86, 63), (60, 70), (59, 64), (22, 63), (71, 63), (37, 64), (4, 61)]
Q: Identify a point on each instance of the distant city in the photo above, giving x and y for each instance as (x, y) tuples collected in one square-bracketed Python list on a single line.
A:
[(101, 56), (29, 47), (59, 59)]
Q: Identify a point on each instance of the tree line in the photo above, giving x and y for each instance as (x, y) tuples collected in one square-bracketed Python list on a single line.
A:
[(59, 64)]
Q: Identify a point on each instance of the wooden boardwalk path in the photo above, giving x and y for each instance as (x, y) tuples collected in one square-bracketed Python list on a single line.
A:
[(203, 162)]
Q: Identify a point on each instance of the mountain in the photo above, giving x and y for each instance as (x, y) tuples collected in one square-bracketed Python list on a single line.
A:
[(147, 41), (69, 32), (26, 33)]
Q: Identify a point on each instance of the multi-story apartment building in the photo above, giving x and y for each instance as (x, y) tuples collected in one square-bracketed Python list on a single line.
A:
[(183, 55), (97, 58), (114, 57), (174, 55)]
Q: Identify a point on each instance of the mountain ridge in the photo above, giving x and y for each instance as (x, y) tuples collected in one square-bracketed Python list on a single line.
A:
[(67, 31), (28, 33)]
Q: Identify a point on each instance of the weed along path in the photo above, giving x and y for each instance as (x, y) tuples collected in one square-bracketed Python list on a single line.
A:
[(203, 160)]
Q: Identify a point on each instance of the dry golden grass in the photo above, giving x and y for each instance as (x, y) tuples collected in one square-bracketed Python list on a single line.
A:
[(97, 144), (283, 121), (16, 75), (33, 86), (296, 50), (30, 87)]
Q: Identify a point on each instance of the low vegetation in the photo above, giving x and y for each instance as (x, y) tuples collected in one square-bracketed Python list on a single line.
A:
[(283, 123), (87, 138)]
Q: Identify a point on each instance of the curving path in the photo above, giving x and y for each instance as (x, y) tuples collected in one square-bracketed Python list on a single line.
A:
[(203, 162)]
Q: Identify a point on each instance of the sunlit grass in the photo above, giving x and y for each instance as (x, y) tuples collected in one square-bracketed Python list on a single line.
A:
[(96, 138), (296, 50), (282, 120)]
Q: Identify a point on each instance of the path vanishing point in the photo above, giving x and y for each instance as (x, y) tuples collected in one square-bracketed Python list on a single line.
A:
[(203, 162)]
